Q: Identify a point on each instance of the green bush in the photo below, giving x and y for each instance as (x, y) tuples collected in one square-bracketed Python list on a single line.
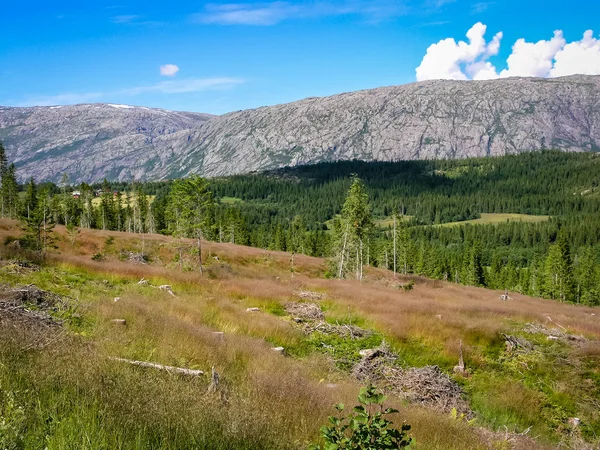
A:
[(366, 428)]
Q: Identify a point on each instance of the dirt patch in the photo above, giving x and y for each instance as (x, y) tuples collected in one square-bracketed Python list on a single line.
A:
[(428, 386), (304, 311)]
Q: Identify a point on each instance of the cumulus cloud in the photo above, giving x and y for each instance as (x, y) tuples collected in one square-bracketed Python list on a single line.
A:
[(578, 57), (462, 60), (453, 60), (169, 70)]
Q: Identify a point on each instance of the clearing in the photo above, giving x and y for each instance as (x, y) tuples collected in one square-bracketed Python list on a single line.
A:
[(277, 349)]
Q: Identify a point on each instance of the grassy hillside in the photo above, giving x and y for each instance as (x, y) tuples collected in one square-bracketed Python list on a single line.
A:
[(492, 218), (61, 389)]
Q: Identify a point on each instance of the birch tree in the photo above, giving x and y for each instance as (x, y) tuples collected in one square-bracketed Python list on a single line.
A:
[(190, 211), (352, 229)]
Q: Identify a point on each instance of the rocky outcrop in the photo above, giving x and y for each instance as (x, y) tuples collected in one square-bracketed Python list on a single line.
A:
[(431, 119), (91, 142)]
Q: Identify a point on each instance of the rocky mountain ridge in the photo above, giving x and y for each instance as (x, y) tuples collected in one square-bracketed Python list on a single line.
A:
[(431, 119)]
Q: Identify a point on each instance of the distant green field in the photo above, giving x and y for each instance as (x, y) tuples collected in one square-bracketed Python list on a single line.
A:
[(96, 200), (231, 200), (389, 221), (493, 218)]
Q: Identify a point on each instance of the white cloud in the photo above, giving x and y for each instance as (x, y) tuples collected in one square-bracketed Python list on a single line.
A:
[(578, 57), (169, 70), (165, 87), (530, 59), (448, 59), (271, 13)]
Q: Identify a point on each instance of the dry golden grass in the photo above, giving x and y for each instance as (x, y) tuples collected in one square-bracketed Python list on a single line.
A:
[(293, 395)]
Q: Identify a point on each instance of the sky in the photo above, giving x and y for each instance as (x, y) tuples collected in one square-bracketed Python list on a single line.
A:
[(217, 57)]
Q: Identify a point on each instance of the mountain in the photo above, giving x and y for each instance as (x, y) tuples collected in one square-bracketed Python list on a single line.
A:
[(425, 120), (91, 142)]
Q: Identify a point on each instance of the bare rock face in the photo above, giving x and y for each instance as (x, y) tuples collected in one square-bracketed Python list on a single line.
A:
[(91, 142), (432, 119), (426, 120)]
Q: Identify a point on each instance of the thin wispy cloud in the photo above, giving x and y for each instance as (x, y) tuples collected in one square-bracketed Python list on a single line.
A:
[(124, 18), (164, 87), (272, 13), (480, 7)]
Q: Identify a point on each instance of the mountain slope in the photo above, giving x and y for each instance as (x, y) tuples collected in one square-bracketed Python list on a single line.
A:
[(90, 142), (432, 119)]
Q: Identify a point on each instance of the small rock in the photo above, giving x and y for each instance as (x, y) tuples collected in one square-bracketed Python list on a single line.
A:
[(298, 320), (574, 421), (366, 352), (119, 321), (219, 335), (252, 309), (117, 299), (553, 338), (279, 350), (438, 316)]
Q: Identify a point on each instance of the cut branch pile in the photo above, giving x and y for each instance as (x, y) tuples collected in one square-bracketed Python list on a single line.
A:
[(25, 315), (346, 331), (517, 344), (310, 295), (18, 267), (305, 311), (134, 257), (427, 386), (559, 334)]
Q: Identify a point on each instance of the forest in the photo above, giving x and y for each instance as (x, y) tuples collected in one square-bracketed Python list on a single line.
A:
[(404, 216)]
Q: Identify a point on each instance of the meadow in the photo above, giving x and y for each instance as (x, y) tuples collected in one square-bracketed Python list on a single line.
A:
[(60, 386)]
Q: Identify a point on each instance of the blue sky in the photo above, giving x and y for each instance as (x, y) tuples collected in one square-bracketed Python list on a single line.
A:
[(237, 55)]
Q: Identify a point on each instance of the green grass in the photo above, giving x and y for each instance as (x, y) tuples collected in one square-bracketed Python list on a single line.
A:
[(231, 200), (389, 221), (495, 218)]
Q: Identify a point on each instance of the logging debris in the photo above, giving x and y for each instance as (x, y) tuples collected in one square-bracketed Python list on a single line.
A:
[(170, 369), (304, 311), (428, 386)]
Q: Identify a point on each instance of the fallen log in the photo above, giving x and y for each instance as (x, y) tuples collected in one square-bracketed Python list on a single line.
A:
[(184, 371)]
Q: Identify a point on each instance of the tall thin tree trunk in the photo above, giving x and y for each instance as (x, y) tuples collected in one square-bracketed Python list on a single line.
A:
[(394, 245), (200, 253), (343, 252)]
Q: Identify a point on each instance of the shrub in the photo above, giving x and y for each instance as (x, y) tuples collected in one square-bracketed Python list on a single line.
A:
[(366, 428)]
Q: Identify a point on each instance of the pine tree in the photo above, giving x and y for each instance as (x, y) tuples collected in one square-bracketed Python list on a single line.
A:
[(558, 277), (354, 226), (9, 195), (189, 210)]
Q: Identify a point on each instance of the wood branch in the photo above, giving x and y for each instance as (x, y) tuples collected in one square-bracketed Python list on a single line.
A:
[(182, 370)]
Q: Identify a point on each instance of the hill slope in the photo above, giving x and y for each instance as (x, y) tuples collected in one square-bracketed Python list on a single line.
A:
[(91, 142), (432, 119)]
